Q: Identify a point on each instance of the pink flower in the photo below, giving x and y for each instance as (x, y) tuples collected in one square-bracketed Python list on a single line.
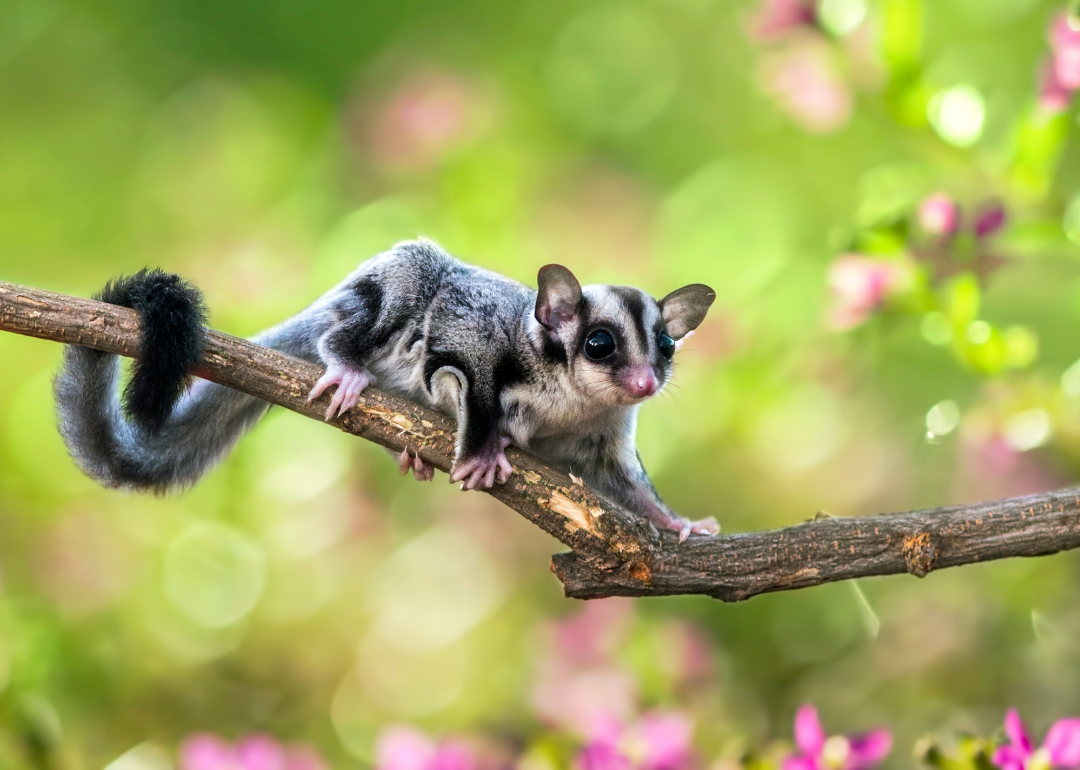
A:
[(859, 285), (401, 747), (601, 755), (1061, 75), (204, 751), (591, 635), (430, 115), (1065, 47), (579, 686), (989, 220), (665, 737), (804, 81), (587, 701), (1054, 96), (1062, 32), (1066, 63), (773, 18), (939, 214), (659, 740), (838, 752), (207, 752), (1061, 747)]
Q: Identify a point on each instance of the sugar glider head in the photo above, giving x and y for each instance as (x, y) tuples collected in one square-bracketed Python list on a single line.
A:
[(617, 341)]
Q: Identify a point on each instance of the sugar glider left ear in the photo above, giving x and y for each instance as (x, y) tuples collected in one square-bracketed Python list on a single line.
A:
[(684, 309), (558, 296)]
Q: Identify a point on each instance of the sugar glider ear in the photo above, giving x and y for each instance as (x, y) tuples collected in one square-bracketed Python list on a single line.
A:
[(684, 309), (558, 296)]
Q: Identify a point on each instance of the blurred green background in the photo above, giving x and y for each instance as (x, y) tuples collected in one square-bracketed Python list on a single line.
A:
[(263, 148)]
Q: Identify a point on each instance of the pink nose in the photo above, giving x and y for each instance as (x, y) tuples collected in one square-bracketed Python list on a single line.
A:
[(641, 383)]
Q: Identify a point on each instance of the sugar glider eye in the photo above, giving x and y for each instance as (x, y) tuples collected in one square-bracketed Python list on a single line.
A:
[(667, 346), (599, 345)]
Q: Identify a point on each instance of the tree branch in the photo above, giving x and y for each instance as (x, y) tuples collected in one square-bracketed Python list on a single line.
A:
[(613, 552)]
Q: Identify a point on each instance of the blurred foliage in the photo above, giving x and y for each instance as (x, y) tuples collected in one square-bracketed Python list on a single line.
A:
[(857, 360)]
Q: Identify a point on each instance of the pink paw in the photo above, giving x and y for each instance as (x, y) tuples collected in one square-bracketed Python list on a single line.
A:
[(350, 384), (487, 467), (664, 519), (684, 527), (421, 470)]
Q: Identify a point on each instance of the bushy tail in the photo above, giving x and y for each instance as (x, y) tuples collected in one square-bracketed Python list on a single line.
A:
[(163, 435)]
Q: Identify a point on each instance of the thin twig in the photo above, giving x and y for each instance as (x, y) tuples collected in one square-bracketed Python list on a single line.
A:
[(613, 552)]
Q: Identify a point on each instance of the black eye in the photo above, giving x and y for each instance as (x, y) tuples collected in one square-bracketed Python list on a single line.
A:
[(599, 344), (667, 346)]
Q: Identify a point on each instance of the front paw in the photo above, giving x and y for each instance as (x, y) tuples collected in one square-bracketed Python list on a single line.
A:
[(421, 470), (350, 383), (484, 468)]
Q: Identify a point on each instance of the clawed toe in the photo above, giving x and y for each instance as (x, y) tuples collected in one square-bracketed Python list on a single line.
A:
[(350, 385), (421, 470), (471, 473), (707, 526), (684, 527), (484, 470)]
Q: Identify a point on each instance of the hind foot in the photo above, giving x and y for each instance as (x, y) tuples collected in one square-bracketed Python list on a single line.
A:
[(707, 526), (664, 519), (422, 471), (350, 384), (486, 467)]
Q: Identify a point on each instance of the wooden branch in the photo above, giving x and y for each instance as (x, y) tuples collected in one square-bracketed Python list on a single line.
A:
[(614, 553)]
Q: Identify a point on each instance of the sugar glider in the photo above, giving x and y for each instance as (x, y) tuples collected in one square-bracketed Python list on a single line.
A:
[(559, 371)]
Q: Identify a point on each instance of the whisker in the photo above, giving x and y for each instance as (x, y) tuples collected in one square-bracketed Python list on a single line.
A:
[(672, 397)]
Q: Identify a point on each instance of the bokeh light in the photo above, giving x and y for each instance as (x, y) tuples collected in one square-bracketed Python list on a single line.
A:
[(942, 419), (841, 16), (958, 114), (213, 573)]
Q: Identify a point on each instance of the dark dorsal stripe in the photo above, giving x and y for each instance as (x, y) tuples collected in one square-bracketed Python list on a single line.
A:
[(635, 308)]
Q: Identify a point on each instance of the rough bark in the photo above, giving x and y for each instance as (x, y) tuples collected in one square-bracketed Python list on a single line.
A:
[(612, 552)]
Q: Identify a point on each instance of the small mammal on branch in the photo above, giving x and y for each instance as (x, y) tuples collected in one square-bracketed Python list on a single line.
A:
[(559, 371)]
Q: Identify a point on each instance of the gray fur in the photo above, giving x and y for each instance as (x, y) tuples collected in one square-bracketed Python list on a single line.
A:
[(436, 331), (204, 426)]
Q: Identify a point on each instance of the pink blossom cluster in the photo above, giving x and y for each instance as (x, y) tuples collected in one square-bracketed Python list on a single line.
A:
[(204, 751), (622, 738), (805, 80), (940, 216), (774, 18), (801, 71), (1061, 73), (402, 747), (1060, 748), (657, 740), (583, 689), (838, 752), (942, 220), (859, 285)]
